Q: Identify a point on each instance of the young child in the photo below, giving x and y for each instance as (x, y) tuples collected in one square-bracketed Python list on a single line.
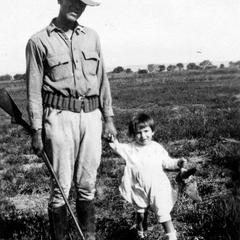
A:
[(144, 182)]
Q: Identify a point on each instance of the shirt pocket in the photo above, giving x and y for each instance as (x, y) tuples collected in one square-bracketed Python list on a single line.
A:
[(60, 67), (90, 62)]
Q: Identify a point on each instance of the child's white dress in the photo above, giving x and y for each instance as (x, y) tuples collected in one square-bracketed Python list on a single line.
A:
[(144, 182)]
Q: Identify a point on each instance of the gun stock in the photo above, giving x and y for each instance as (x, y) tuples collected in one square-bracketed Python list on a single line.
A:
[(9, 106)]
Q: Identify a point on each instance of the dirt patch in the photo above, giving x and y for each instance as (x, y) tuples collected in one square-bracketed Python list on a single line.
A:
[(31, 157), (27, 167), (30, 203)]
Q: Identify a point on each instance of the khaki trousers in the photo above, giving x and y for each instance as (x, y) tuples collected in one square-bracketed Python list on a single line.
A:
[(73, 144)]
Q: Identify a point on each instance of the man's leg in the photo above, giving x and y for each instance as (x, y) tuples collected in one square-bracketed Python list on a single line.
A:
[(59, 144), (58, 222), (86, 217), (86, 167)]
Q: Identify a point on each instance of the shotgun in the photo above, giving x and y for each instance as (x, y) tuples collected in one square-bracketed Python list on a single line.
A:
[(9, 106)]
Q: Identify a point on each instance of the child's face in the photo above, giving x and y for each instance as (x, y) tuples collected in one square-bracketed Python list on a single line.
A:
[(144, 135)]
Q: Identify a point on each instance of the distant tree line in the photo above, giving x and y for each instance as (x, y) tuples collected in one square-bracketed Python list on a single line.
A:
[(16, 77), (120, 69), (204, 65), (151, 68)]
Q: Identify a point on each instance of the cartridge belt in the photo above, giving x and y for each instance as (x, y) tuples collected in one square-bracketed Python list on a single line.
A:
[(58, 101)]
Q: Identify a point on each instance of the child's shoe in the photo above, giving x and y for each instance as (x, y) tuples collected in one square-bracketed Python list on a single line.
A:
[(140, 235), (171, 235), (137, 234)]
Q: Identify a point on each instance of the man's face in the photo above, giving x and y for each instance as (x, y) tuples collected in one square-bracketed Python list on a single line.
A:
[(71, 10)]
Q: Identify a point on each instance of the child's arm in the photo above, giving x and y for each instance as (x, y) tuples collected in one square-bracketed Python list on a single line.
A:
[(113, 142), (121, 149), (181, 162), (172, 163)]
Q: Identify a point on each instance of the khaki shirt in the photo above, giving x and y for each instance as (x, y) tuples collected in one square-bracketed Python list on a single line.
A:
[(71, 67)]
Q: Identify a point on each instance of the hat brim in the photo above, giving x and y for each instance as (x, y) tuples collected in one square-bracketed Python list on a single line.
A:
[(90, 2)]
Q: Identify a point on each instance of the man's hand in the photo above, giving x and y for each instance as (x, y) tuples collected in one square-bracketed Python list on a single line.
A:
[(109, 128), (110, 138), (37, 143)]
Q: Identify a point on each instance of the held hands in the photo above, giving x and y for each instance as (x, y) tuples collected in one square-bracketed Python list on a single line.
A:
[(110, 138), (109, 129), (37, 143)]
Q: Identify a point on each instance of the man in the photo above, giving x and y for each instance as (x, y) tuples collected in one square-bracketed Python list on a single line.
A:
[(68, 94)]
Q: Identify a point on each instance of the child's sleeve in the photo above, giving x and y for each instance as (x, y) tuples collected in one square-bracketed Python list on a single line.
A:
[(121, 149), (114, 144), (167, 161)]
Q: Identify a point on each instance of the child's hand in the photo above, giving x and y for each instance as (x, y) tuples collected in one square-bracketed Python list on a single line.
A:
[(110, 138), (182, 162)]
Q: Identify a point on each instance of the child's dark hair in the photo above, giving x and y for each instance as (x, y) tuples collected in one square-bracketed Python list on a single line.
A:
[(141, 120)]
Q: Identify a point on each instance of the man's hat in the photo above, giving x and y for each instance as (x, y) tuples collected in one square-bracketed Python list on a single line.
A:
[(90, 2)]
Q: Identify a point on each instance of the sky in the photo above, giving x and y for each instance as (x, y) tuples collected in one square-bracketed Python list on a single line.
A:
[(132, 32)]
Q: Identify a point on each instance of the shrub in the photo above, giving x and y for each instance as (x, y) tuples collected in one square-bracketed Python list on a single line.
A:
[(118, 69)]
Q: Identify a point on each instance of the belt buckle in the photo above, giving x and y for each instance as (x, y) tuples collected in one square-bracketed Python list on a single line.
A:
[(81, 98), (79, 103)]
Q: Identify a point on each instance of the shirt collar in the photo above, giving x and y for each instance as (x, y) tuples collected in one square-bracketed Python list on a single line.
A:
[(52, 27)]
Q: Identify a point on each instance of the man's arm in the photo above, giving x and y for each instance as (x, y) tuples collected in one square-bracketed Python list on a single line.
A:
[(109, 127), (105, 96), (34, 75)]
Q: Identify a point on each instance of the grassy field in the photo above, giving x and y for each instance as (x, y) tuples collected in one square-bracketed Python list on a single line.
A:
[(197, 116)]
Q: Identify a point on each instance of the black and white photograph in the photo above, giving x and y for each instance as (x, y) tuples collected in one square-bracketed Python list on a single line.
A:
[(120, 120)]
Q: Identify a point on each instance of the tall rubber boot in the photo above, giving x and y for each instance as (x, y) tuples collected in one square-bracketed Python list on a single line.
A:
[(86, 216), (58, 222)]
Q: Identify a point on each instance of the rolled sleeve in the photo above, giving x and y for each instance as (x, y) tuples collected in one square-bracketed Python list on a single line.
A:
[(105, 91), (34, 76)]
